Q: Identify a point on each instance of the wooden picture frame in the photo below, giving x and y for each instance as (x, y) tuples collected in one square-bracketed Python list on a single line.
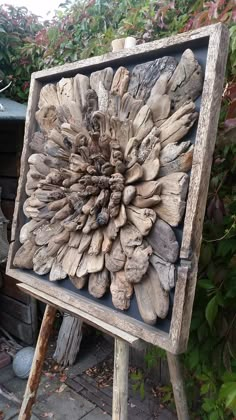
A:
[(215, 39)]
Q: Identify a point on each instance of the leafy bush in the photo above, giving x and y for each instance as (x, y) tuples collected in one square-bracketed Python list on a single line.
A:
[(86, 28)]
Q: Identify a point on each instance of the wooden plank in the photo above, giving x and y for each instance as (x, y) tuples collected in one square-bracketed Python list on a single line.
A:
[(78, 311), (8, 209), (8, 164), (93, 394), (16, 309), (17, 329), (12, 134), (201, 168), (30, 125), (74, 385), (176, 378), (9, 288), (115, 58), (9, 187)]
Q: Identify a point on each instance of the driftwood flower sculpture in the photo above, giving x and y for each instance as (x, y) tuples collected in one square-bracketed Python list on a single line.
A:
[(108, 179)]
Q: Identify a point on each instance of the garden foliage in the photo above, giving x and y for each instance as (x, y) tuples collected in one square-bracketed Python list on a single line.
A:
[(86, 28)]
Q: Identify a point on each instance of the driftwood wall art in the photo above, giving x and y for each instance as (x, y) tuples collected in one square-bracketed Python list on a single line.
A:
[(107, 173), (108, 180)]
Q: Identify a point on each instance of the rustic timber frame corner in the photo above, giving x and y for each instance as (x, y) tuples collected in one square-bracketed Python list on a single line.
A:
[(215, 40)]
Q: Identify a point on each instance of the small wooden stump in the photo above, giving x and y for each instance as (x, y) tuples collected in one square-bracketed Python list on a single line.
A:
[(69, 339)]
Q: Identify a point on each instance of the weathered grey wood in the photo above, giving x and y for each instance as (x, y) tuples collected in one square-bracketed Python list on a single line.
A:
[(144, 76), (37, 365), (68, 341), (73, 310), (163, 241), (16, 309), (120, 380), (176, 378), (165, 272), (201, 166)]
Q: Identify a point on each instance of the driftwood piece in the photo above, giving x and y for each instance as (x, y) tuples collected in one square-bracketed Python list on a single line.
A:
[(148, 144), (120, 81), (182, 163), (134, 174), (105, 76), (128, 194), (143, 123), (121, 290), (163, 241), (129, 107), (165, 272), (79, 282), (71, 261), (37, 142), (84, 242), (95, 263), (143, 219), (173, 194), (99, 283), (130, 238), (137, 265), (144, 76), (186, 81), (172, 151), (115, 259), (48, 96), (45, 232), (143, 203), (160, 296), (171, 209), (121, 219), (96, 243), (143, 293), (68, 341), (28, 228), (81, 87), (57, 272), (158, 102), (24, 256), (178, 124), (42, 262)]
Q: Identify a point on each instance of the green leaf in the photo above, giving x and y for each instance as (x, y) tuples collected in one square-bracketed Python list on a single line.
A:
[(194, 358), (206, 284), (211, 311), (228, 393)]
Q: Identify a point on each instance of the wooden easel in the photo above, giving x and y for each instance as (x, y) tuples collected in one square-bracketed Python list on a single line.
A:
[(127, 330), (121, 363)]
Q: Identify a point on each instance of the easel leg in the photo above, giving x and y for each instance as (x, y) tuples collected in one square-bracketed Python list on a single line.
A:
[(37, 365), (176, 378), (120, 380)]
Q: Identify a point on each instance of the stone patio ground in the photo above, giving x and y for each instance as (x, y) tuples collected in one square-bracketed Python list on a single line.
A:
[(73, 394)]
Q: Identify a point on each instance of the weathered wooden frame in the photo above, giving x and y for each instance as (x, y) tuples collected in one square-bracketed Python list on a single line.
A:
[(105, 318)]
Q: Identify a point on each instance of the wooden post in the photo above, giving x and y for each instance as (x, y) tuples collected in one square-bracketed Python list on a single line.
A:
[(120, 380), (176, 378), (37, 365)]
